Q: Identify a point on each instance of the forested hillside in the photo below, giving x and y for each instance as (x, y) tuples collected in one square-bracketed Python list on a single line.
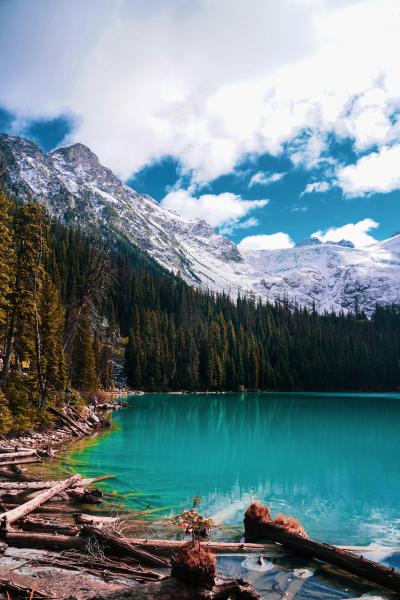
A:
[(70, 303)]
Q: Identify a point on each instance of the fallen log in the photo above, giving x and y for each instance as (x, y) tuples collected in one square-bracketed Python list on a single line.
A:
[(172, 589), (97, 520), (8, 584), (21, 461), (56, 508), (8, 517), (73, 560), (256, 527), (121, 546), (93, 496), (17, 454), (41, 485), (43, 541), (47, 526), (73, 425), (166, 547)]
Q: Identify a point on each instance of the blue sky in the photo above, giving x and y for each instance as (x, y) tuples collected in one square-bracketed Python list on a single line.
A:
[(282, 122)]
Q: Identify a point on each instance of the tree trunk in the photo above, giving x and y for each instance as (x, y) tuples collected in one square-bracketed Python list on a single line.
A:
[(9, 349), (256, 528), (10, 516)]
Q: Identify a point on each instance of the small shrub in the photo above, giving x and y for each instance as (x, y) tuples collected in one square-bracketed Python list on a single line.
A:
[(193, 523)]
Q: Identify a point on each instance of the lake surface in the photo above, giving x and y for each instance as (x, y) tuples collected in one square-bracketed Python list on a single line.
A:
[(331, 460)]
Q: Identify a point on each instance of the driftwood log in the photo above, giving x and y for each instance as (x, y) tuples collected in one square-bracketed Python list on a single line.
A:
[(124, 547), (256, 528), (166, 547), (97, 520), (10, 516), (41, 485), (48, 526), (75, 427)]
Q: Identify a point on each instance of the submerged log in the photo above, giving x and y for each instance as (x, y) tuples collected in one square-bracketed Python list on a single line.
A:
[(258, 527), (21, 461), (121, 546), (8, 517)]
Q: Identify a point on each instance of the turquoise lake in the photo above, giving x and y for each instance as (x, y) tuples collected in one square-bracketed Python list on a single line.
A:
[(331, 460)]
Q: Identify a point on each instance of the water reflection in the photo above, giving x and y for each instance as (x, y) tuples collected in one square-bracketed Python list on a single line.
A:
[(330, 460)]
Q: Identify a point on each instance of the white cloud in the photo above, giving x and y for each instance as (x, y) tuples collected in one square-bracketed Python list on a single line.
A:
[(353, 232), (275, 241), (375, 172), (315, 186), (219, 210), (145, 81), (261, 178)]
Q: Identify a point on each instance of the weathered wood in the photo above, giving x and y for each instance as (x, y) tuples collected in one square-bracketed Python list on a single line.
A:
[(44, 541), (57, 508), (124, 547), (8, 584), (41, 485), (8, 517), (90, 496), (256, 528), (21, 461), (172, 589), (18, 454), (73, 425), (97, 520), (166, 547), (80, 561), (48, 526)]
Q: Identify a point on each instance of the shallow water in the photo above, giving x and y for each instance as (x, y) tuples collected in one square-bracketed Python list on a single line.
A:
[(331, 460)]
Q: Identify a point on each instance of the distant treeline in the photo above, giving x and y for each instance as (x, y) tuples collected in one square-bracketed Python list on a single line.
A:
[(72, 306)]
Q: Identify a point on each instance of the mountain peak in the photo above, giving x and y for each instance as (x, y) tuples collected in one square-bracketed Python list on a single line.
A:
[(76, 153)]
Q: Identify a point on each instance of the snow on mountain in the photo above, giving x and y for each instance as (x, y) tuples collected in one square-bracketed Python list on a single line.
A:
[(73, 185)]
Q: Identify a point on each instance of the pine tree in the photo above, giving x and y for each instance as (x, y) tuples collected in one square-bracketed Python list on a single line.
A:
[(84, 375)]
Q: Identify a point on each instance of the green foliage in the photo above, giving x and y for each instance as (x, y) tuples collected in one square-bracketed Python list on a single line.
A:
[(6, 419), (70, 305), (84, 374), (193, 523)]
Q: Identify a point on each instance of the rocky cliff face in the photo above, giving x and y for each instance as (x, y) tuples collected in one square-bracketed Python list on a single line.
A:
[(75, 187)]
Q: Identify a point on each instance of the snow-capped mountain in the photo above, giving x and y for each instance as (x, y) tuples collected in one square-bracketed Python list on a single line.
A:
[(73, 185)]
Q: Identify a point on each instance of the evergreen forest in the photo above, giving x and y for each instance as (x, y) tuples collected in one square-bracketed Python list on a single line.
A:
[(79, 313)]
